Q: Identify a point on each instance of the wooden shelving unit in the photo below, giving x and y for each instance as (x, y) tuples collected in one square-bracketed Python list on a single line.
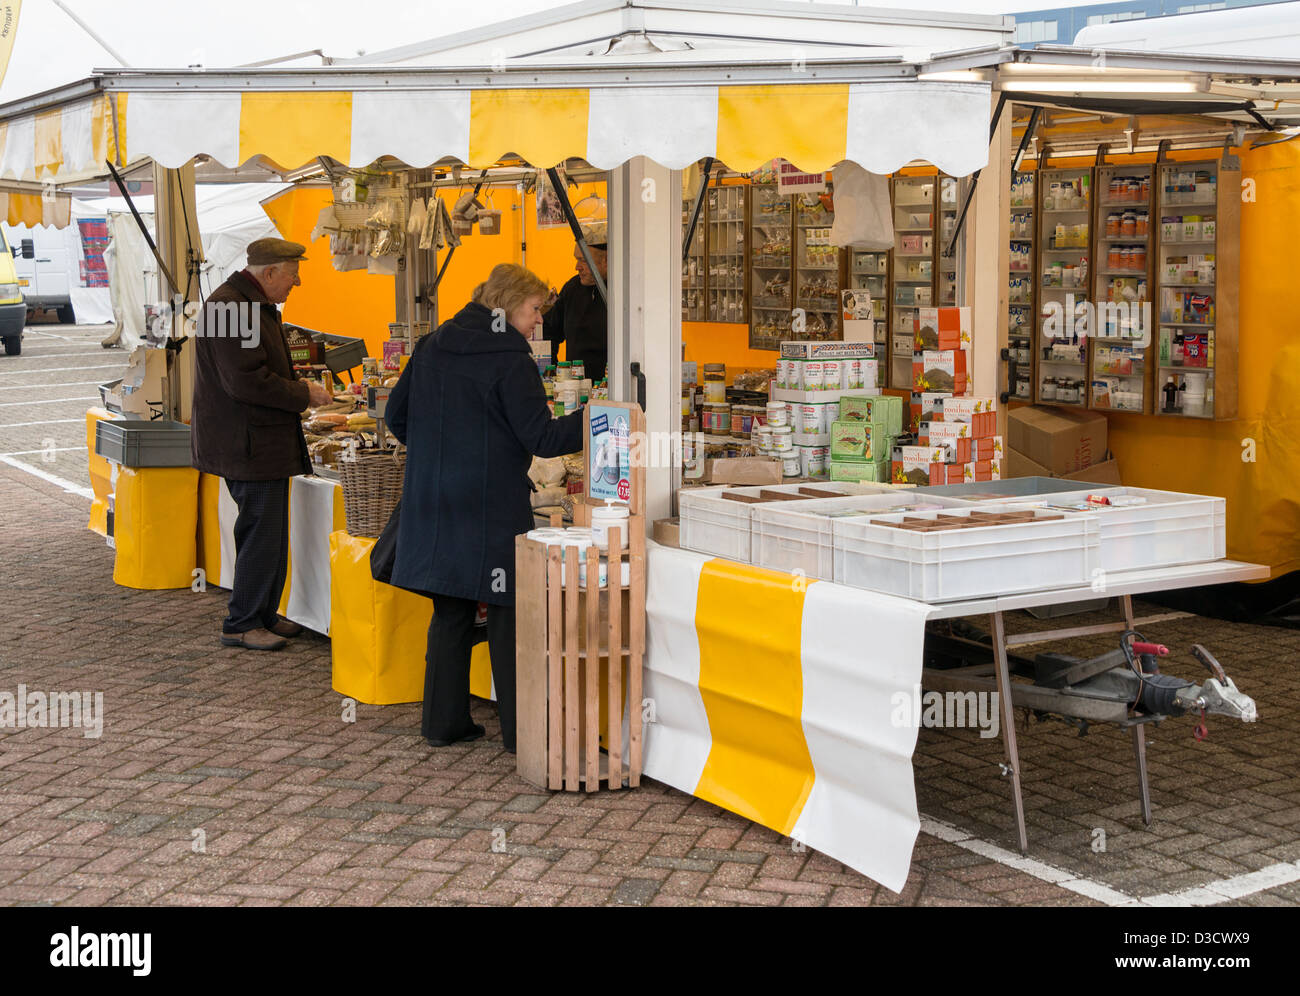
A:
[(1119, 377), (1198, 250), (1064, 255)]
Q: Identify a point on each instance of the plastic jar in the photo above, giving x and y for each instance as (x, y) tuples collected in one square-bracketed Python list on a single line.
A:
[(763, 436), (790, 465), (782, 438), (609, 525), (777, 414), (715, 382), (722, 420), (832, 374), (814, 377)]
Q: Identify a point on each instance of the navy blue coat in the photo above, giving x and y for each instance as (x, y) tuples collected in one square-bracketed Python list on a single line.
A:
[(471, 409)]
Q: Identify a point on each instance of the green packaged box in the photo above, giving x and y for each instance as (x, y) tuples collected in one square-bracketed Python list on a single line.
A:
[(872, 473), (851, 441), (883, 410)]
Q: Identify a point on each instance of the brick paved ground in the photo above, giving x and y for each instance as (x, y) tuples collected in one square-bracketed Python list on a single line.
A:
[(297, 807)]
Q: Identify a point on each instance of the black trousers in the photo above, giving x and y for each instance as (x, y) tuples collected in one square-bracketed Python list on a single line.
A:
[(261, 553), (446, 667)]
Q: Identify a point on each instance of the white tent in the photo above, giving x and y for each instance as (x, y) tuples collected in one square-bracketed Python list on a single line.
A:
[(1268, 31), (230, 217)]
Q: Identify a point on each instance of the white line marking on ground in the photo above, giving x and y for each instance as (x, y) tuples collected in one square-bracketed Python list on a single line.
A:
[(50, 370), (1210, 894), (66, 383), (68, 486), (49, 421), (45, 354), (53, 449), (45, 401)]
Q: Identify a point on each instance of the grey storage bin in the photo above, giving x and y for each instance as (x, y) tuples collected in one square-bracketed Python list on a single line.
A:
[(134, 443), (1016, 487)]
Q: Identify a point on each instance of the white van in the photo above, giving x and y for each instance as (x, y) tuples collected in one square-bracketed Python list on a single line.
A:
[(44, 262)]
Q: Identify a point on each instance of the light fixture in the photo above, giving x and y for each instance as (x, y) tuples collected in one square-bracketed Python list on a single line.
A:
[(952, 76), (1096, 86)]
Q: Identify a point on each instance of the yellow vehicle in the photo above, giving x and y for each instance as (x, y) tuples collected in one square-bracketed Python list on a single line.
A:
[(13, 309)]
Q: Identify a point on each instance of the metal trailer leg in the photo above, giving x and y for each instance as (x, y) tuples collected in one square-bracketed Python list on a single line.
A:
[(1144, 789), (1008, 724), (1139, 733)]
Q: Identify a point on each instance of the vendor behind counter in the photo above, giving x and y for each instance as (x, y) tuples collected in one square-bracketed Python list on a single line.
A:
[(579, 316)]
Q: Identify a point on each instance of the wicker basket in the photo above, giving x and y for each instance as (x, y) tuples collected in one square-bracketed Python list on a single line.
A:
[(372, 487)]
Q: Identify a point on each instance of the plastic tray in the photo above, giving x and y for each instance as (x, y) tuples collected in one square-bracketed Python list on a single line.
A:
[(978, 562), (796, 536), (136, 443), (1171, 528), (720, 526)]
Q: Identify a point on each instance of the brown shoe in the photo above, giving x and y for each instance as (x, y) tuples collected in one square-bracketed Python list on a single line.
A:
[(283, 627), (254, 639)]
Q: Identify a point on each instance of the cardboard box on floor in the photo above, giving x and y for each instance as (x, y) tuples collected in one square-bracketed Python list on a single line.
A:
[(734, 470), (1057, 439), (1016, 464)]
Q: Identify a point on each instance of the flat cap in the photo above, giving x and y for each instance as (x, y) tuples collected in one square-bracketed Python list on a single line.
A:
[(595, 234), (266, 252)]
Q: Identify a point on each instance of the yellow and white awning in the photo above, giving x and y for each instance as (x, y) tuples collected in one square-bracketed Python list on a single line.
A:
[(879, 125)]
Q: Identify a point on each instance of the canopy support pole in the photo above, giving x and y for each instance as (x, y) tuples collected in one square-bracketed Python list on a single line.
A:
[(645, 315), (695, 211), (974, 180), (574, 227)]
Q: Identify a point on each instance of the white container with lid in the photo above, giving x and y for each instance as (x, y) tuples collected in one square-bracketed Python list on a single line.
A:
[(790, 465), (608, 520), (778, 415), (763, 437), (782, 438)]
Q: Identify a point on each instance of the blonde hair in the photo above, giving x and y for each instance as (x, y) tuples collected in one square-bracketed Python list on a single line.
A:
[(508, 286)]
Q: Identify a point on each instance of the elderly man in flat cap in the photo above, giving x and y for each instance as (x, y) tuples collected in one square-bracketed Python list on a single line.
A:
[(245, 427)]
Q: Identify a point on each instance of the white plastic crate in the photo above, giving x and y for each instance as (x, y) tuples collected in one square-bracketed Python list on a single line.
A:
[(796, 536), (975, 562), (721, 527), (1169, 529)]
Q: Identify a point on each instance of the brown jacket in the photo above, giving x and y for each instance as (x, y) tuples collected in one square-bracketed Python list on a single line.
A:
[(245, 424)]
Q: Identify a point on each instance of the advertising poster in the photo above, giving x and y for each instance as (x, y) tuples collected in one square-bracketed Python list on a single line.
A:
[(609, 470)]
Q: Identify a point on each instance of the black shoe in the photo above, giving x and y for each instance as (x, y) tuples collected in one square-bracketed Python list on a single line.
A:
[(475, 732)]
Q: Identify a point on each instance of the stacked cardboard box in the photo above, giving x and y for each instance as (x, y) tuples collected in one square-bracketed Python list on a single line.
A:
[(955, 434)]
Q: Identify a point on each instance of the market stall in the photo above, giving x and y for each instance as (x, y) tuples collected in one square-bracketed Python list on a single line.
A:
[(643, 121)]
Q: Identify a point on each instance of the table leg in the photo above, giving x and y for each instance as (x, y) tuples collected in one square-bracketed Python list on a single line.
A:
[(1009, 724), (1144, 788)]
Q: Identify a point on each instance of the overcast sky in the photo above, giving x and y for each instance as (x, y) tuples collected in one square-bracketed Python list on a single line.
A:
[(51, 49)]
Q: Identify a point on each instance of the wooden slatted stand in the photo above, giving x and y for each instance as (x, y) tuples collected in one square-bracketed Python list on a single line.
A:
[(579, 648)]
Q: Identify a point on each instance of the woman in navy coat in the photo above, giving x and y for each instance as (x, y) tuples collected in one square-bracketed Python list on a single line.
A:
[(472, 411)]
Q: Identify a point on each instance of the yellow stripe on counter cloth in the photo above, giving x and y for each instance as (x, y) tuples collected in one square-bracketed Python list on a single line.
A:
[(804, 124), (749, 623), (295, 128), (543, 127)]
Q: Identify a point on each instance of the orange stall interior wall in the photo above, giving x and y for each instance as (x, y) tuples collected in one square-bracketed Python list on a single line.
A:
[(362, 304), (355, 303), (1254, 460)]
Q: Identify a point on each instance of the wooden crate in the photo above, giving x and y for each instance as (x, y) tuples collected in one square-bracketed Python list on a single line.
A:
[(564, 663)]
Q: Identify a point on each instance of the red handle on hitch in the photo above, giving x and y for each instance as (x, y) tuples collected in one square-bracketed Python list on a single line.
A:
[(1157, 649)]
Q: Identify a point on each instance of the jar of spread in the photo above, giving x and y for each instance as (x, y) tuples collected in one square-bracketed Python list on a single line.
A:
[(715, 382)]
